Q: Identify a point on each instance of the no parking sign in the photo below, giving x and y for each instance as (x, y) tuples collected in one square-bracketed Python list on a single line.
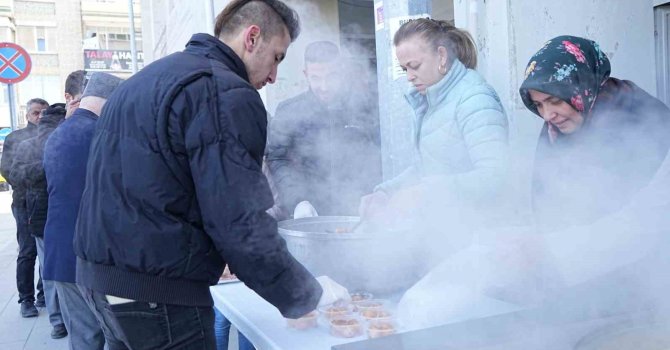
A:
[(15, 66), (15, 63)]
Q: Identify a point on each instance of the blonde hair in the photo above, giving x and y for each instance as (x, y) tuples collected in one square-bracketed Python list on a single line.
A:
[(458, 42)]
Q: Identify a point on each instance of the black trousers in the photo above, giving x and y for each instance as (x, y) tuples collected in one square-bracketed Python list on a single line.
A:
[(141, 325), (25, 262)]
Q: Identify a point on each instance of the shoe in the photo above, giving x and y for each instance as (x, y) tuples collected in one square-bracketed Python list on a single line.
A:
[(40, 304), (59, 331), (28, 309)]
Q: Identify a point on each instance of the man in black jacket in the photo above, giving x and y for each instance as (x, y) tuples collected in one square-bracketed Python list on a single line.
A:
[(174, 189), (315, 133), (25, 262), (28, 171)]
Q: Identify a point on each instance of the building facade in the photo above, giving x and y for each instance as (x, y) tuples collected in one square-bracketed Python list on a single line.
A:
[(63, 36)]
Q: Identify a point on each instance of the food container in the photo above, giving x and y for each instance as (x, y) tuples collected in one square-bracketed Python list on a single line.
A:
[(377, 315), (305, 322), (358, 297), (381, 262), (336, 310), (371, 304), (346, 327), (381, 328)]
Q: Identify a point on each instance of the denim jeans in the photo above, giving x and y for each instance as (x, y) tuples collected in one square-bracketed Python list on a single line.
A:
[(140, 325), (25, 262), (50, 293), (222, 331), (81, 324)]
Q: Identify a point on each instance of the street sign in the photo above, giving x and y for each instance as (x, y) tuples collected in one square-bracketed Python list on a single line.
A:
[(15, 63)]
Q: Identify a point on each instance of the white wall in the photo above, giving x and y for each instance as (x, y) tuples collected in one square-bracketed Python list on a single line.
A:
[(624, 29), (167, 26)]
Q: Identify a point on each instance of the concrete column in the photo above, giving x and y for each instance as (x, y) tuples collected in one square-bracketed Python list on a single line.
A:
[(396, 117)]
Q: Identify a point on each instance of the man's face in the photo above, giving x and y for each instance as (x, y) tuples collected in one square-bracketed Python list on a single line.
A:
[(323, 80), (33, 114), (262, 63)]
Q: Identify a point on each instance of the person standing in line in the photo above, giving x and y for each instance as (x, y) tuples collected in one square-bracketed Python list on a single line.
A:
[(29, 167), (25, 262), (65, 158)]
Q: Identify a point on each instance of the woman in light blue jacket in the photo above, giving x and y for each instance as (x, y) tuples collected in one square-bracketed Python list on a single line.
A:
[(460, 127)]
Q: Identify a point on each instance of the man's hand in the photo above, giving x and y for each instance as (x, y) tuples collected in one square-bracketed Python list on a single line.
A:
[(71, 107), (332, 291)]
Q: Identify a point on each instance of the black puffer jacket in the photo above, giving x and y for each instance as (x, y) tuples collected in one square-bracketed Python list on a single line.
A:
[(174, 188), (28, 171), (9, 154)]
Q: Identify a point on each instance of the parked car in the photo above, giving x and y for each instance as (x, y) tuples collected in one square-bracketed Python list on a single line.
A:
[(4, 186)]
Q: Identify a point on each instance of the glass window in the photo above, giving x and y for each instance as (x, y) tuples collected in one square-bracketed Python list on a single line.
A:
[(41, 44), (40, 39)]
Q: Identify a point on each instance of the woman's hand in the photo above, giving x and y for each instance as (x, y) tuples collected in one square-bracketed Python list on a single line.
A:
[(373, 204)]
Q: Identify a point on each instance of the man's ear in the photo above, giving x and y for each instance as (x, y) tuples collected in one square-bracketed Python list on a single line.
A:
[(252, 36), (68, 97)]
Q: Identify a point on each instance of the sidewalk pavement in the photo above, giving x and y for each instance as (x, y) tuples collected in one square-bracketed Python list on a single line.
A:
[(17, 333)]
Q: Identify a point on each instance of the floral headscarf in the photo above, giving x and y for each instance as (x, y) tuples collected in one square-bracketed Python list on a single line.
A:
[(570, 68)]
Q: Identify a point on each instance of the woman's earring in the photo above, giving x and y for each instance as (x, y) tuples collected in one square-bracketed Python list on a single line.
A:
[(442, 69)]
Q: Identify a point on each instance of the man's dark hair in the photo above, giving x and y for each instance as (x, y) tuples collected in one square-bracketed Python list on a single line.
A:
[(321, 52), (273, 16), (75, 82), (38, 101)]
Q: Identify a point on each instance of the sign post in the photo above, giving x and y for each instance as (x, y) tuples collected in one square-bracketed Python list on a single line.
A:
[(15, 65), (13, 116)]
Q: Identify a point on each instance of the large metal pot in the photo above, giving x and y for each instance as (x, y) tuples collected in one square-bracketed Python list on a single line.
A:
[(382, 262)]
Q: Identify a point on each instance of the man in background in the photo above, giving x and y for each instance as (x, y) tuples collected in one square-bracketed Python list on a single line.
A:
[(25, 262), (65, 158), (322, 147), (29, 166)]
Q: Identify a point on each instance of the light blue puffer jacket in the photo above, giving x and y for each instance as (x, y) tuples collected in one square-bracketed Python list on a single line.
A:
[(461, 133)]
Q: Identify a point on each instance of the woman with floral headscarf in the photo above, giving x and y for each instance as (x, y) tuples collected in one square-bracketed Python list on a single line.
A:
[(603, 138)]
